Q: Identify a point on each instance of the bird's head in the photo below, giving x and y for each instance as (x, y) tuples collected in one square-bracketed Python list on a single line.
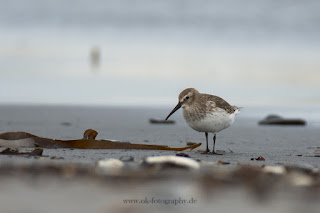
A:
[(186, 97)]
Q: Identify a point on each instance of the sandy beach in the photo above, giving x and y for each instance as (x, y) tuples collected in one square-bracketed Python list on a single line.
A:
[(279, 145)]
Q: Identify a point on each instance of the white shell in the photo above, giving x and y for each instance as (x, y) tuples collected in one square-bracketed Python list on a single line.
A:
[(300, 180), (180, 161), (278, 170), (110, 163)]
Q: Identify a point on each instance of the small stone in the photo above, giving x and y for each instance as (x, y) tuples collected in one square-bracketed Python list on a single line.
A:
[(126, 158), (37, 151), (191, 143), (90, 134), (277, 120), (223, 162), (56, 158), (183, 155), (260, 158)]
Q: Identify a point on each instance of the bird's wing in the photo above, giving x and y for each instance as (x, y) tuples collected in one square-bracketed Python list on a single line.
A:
[(211, 104), (220, 103)]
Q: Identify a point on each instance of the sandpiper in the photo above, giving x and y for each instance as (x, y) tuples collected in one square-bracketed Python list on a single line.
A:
[(205, 113)]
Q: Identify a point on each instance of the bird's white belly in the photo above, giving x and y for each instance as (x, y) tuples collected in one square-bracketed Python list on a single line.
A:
[(213, 122)]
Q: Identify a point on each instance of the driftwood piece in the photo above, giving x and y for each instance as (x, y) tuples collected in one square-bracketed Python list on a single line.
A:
[(24, 139)]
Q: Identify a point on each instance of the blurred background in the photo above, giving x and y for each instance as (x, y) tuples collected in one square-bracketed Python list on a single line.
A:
[(144, 52)]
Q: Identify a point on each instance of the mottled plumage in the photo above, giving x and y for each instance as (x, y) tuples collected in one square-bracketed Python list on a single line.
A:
[(205, 113)]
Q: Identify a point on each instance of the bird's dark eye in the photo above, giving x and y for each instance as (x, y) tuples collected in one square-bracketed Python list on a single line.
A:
[(187, 97)]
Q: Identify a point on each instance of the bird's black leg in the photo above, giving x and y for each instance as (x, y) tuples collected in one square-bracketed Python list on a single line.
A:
[(214, 143), (207, 150)]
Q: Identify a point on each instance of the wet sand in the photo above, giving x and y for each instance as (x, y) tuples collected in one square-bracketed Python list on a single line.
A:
[(244, 140)]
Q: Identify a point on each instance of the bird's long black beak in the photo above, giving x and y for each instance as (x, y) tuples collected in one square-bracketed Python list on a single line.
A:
[(174, 109)]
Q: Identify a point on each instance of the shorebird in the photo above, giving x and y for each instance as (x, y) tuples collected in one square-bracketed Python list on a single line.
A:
[(205, 113)]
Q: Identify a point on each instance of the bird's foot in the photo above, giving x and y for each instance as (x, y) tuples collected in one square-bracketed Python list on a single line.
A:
[(206, 152), (218, 152), (211, 153)]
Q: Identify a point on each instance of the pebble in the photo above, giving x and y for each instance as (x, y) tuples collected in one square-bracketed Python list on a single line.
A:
[(182, 154), (277, 120), (126, 158), (160, 121)]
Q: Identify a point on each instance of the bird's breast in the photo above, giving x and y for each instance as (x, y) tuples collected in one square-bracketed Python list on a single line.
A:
[(213, 121)]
